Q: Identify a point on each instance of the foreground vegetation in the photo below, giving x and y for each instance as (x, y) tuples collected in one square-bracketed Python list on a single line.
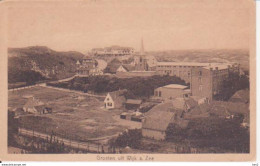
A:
[(212, 132)]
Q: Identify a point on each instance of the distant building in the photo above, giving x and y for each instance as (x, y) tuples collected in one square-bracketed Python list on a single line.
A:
[(115, 99), (184, 69), (113, 50), (171, 91), (207, 81), (113, 66), (86, 65), (95, 72), (125, 68), (143, 62)]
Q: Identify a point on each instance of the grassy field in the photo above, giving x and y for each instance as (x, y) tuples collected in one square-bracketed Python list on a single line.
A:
[(74, 116)]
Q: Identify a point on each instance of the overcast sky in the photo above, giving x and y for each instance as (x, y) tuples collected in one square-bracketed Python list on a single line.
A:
[(163, 25)]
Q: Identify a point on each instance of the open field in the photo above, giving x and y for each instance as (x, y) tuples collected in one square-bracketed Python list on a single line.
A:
[(74, 116)]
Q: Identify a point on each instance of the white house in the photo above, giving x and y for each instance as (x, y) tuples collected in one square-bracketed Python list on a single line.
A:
[(121, 68), (115, 99)]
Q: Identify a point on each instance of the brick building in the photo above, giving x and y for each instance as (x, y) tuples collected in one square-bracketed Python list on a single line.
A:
[(207, 81), (183, 69)]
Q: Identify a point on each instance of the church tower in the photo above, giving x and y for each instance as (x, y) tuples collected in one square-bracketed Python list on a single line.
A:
[(140, 60)]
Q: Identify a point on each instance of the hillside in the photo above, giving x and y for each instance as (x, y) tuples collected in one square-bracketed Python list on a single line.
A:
[(39, 63)]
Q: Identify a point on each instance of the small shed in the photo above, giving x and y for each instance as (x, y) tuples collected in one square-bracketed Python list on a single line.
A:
[(133, 104)]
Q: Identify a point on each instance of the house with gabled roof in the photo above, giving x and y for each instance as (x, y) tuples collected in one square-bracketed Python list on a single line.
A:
[(115, 99), (125, 68), (35, 106)]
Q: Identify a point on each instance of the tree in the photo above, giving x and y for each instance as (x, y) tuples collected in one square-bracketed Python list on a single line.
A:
[(131, 138), (229, 87)]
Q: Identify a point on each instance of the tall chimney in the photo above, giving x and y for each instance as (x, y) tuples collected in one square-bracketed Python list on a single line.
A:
[(142, 47)]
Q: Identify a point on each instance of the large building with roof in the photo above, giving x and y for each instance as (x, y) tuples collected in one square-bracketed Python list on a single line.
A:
[(184, 69), (113, 50), (172, 91)]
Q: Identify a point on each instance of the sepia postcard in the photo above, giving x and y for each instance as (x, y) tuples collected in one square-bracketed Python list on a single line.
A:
[(128, 80)]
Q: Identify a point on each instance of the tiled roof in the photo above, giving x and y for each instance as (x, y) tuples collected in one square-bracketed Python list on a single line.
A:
[(160, 116), (158, 121)]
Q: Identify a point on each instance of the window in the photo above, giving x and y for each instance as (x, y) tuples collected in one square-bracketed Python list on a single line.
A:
[(199, 79), (160, 93), (200, 73), (200, 88), (155, 93), (109, 104), (107, 99)]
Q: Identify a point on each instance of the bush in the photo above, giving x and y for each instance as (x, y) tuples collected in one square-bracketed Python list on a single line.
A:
[(131, 138)]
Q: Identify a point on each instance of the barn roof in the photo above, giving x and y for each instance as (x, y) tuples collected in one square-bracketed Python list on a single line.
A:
[(158, 121), (160, 116), (240, 96)]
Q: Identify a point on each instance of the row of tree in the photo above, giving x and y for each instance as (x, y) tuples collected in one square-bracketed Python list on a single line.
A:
[(137, 86)]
